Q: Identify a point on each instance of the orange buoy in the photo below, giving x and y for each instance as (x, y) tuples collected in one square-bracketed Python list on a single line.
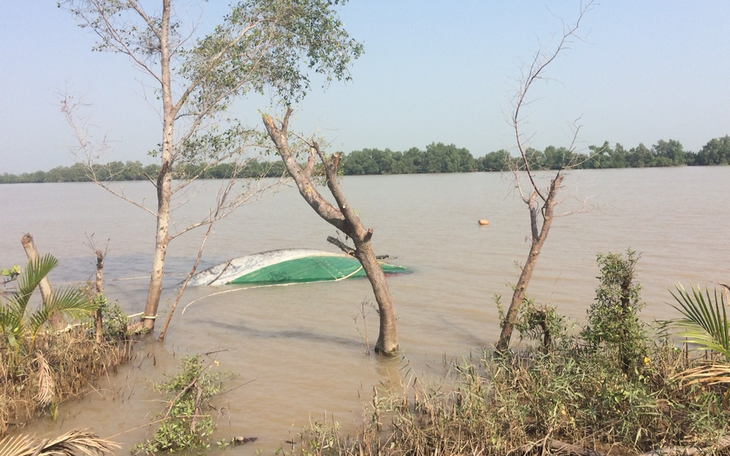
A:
[(483, 222)]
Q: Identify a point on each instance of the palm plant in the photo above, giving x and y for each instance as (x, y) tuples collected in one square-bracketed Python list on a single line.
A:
[(19, 326), (705, 324), (705, 321)]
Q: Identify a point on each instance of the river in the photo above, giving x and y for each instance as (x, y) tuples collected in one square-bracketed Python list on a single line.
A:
[(298, 350)]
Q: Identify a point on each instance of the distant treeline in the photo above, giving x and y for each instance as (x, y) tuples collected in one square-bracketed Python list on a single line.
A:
[(437, 158), (132, 171)]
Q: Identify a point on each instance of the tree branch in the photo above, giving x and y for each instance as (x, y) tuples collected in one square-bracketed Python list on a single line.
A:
[(310, 194)]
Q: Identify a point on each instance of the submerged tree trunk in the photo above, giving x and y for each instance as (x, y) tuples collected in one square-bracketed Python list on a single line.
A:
[(388, 334), (162, 240), (344, 219)]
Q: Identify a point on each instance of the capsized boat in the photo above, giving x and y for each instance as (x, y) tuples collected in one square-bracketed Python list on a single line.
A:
[(286, 266)]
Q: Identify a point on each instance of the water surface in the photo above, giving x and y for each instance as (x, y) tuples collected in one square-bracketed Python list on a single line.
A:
[(298, 350)]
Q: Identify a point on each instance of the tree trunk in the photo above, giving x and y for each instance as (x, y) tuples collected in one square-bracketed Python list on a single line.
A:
[(45, 284), (158, 267), (99, 292), (164, 178), (344, 219), (538, 239), (387, 343)]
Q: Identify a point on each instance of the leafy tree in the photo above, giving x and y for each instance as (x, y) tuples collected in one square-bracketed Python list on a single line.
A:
[(384, 159), (619, 157), (413, 159), (670, 153), (534, 158), (558, 158), (440, 158), (495, 161), (187, 423), (360, 162), (260, 45), (640, 156), (715, 152), (76, 173)]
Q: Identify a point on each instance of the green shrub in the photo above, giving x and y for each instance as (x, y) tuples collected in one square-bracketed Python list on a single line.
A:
[(186, 423), (614, 328), (114, 319)]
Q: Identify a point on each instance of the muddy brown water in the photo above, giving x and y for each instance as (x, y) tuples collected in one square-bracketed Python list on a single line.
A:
[(298, 351)]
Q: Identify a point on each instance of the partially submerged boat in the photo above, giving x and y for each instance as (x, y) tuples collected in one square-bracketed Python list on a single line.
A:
[(286, 266)]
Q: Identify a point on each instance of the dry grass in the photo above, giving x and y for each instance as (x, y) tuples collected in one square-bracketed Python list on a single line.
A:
[(76, 442), (61, 366), (570, 401)]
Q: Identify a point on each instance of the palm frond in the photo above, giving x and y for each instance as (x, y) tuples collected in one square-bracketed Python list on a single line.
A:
[(706, 374), (70, 302), (80, 441), (11, 325), (46, 383), (8, 319), (75, 442), (36, 269), (17, 445), (705, 321)]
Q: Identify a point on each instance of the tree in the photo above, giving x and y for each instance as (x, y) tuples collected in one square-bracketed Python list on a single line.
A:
[(342, 217), (715, 152), (360, 162), (541, 201), (640, 156), (440, 158), (670, 153), (558, 158), (495, 161), (260, 45)]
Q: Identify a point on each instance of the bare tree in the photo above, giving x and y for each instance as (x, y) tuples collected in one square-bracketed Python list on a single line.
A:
[(540, 201), (259, 45), (232, 195), (342, 217)]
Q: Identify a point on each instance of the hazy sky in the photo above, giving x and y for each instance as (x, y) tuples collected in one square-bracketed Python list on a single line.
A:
[(433, 71)]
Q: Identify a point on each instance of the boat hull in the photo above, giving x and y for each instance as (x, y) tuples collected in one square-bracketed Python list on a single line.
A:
[(286, 266)]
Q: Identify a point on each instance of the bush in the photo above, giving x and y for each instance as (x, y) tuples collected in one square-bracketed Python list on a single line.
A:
[(614, 328), (186, 423)]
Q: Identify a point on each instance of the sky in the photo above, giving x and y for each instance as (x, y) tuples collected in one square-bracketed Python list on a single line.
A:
[(433, 71)]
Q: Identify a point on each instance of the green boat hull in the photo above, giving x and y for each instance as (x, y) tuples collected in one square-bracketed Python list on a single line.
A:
[(310, 269), (286, 266)]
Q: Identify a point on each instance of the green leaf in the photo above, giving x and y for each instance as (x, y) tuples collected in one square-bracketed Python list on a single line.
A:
[(705, 321)]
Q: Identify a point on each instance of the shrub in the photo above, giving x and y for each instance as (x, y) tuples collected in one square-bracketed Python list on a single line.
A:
[(186, 423), (614, 328)]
